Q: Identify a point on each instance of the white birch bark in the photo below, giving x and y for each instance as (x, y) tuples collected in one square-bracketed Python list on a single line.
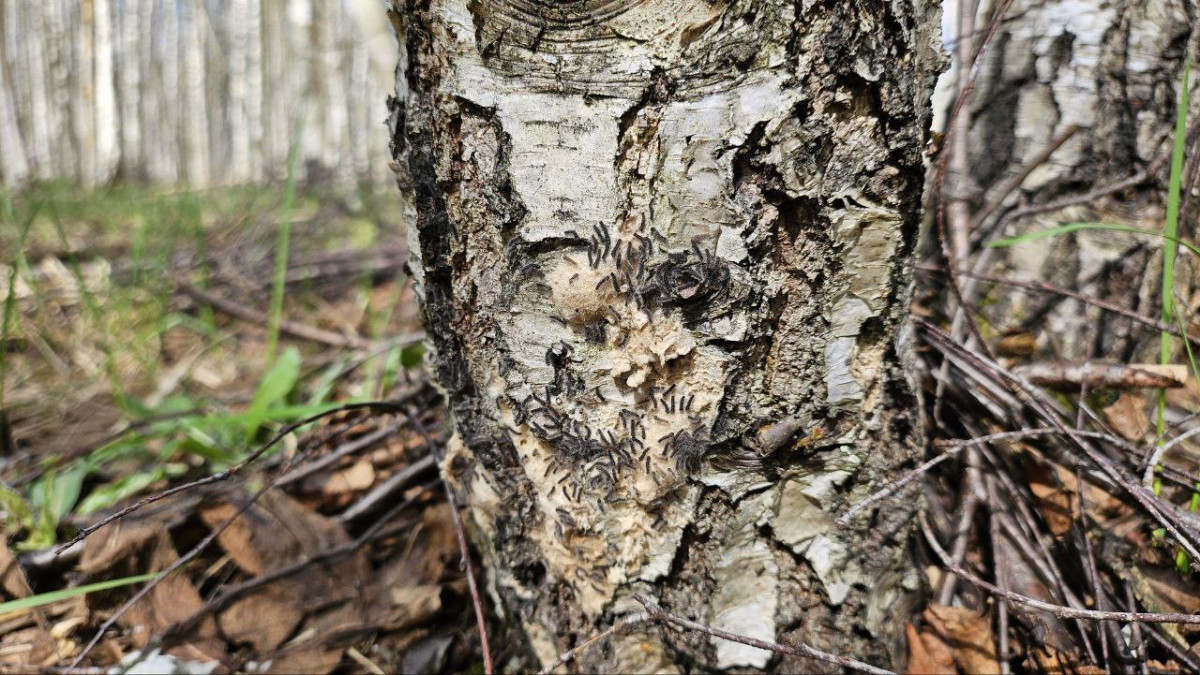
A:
[(239, 128), (48, 100), (173, 112), (105, 120), (275, 87), (663, 253), (255, 99), (12, 146), (99, 90), (361, 135), (196, 137), (80, 20), (129, 88)]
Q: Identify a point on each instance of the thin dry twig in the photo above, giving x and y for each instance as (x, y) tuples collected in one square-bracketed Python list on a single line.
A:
[(800, 649), (972, 496), (1042, 287), (293, 328), (1036, 401), (1100, 375), (954, 447), (1058, 610), (362, 443), (217, 531), (1015, 182), (1160, 452), (381, 493), (945, 237), (173, 567), (1156, 164), (579, 649), (463, 549)]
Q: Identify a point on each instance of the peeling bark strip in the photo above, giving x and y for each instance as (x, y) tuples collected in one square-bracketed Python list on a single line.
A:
[(649, 235)]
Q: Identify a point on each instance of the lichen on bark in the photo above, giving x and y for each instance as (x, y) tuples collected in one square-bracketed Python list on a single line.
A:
[(648, 232)]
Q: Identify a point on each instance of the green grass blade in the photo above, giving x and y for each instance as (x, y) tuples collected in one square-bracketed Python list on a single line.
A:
[(282, 246), (1171, 239), (1168, 281), (10, 300), (1172, 225), (65, 594)]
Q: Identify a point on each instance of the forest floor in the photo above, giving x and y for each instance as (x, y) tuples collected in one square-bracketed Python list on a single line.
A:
[(159, 352)]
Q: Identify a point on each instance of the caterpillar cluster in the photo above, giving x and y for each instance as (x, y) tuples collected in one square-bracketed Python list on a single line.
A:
[(597, 457), (638, 268), (685, 278)]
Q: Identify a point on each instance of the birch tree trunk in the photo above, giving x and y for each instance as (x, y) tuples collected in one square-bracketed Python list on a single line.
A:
[(105, 121), (663, 249), (195, 131)]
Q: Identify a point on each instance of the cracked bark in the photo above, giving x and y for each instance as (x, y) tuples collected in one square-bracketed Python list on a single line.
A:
[(663, 251)]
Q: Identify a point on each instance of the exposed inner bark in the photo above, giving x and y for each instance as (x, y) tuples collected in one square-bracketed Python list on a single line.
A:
[(663, 251)]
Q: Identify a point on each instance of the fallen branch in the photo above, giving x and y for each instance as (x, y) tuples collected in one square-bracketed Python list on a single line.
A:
[(1093, 375), (1036, 401)]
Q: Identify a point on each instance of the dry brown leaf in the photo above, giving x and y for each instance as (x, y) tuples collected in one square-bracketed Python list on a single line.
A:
[(264, 619), (409, 589), (927, 654), (1171, 592), (1051, 660), (1127, 415), (321, 642), (16, 585), (132, 547), (1017, 344), (29, 646), (1016, 571), (274, 533), (12, 577), (1057, 504), (413, 606), (969, 635), (355, 478)]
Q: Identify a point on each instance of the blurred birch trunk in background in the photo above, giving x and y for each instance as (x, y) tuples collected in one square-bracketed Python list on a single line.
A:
[(176, 90)]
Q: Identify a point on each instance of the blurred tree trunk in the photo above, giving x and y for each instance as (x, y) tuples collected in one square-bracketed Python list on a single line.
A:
[(664, 255), (1113, 72)]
